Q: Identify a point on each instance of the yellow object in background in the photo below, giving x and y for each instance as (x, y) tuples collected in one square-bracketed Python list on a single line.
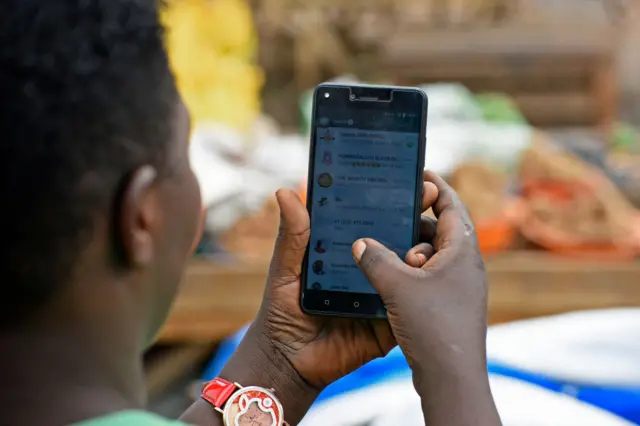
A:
[(212, 47)]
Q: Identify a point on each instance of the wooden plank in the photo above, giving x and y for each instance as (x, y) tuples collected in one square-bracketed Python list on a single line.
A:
[(422, 68), (521, 41), (558, 76), (559, 109), (217, 300), (606, 92), (564, 81), (525, 285)]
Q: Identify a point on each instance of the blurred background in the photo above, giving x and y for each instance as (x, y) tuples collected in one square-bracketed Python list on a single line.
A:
[(533, 118)]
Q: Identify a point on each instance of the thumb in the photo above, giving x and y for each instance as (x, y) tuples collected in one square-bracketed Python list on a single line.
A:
[(291, 244), (384, 269)]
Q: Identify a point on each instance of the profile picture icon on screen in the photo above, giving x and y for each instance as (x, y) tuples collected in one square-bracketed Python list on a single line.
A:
[(318, 267), (319, 247), (325, 180), (327, 137)]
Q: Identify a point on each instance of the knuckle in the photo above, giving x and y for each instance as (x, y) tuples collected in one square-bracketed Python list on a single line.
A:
[(403, 291), (384, 269), (280, 276), (293, 240), (417, 275), (479, 263), (390, 300), (444, 242), (374, 259)]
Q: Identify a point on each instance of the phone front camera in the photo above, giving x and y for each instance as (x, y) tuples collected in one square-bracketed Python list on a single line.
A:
[(326, 95)]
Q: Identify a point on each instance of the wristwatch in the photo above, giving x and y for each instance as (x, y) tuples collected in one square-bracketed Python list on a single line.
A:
[(243, 406)]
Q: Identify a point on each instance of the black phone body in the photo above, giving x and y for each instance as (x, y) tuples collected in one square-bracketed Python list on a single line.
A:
[(366, 167)]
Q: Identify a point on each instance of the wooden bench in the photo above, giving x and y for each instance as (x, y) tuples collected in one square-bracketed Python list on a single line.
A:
[(216, 300), (559, 76)]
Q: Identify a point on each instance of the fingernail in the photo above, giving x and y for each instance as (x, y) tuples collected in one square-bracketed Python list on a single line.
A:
[(358, 249), (422, 259)]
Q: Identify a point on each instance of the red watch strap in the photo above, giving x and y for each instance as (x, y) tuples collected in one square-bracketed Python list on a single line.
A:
[(217, 392)]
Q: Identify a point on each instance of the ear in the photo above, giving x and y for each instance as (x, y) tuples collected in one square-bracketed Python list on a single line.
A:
[(136, 218)]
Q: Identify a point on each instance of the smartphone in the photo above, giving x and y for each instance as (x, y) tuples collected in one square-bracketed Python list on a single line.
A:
[(366, 167)]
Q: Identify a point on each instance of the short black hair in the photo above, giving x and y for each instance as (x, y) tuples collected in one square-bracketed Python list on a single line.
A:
[(86, 97)]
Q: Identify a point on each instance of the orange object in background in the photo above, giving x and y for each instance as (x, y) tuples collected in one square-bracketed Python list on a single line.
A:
[(496, 235), (302, 192), (556, 238)]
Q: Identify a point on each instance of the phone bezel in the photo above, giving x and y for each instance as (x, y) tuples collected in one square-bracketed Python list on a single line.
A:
[(348, 304)]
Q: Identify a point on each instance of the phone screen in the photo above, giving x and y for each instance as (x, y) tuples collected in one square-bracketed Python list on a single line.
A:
[(366, 164)]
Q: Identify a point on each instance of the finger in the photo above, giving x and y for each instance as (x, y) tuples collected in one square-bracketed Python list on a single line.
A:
[(418, 256), (428, 229), (454, 224), (382, 267), (429, 195), (286, 264)]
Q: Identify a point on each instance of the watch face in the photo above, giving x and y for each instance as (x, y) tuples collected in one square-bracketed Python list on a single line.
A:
[(253, 406)]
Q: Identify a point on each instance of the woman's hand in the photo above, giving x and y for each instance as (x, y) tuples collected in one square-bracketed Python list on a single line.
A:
[(320, 349), (437, 308)]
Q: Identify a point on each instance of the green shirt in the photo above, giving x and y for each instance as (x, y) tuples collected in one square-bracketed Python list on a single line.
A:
[(131, 418)]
